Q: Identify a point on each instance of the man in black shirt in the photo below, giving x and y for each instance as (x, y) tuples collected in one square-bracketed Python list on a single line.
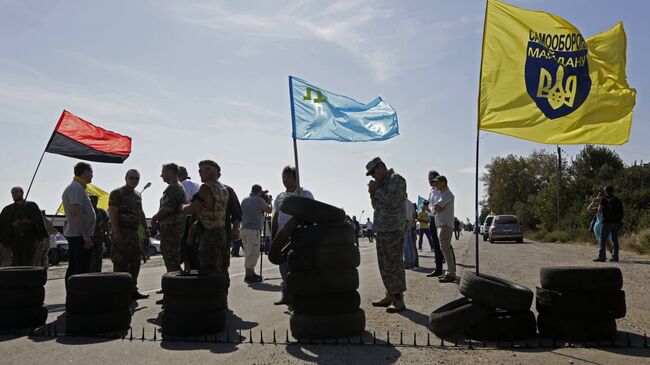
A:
[(612, 209)]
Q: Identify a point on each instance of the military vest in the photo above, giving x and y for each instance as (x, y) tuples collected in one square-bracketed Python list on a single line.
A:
[(215, 217)]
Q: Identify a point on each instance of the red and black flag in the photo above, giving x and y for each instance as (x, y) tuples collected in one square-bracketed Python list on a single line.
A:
[(74, 137)]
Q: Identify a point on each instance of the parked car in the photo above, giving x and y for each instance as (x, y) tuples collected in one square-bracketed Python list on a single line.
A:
[(154, 245), (58, 248), (506, 228), (486, 226)]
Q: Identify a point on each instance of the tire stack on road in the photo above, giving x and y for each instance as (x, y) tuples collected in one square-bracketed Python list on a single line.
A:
[(580, 303), (22, 294), (492, 309), (194, 304), (323, 277), (98, 303)]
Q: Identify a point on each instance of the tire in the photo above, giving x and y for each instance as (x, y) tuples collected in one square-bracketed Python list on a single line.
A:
[(100, 283), (520, 240), (192, 323), (323, 327), (19, 318), (312, 211), (21, 297), (491, 240), (576, 329), (304, 259), (81, 324), (457, 316), (192, 304), (504, 326), (151, 251), (319, 235), (334, 303), (22, 277), (92, 303), (484, 238), (496, 293), (193, 284), (581, 278), (322, 282), (581, 304)]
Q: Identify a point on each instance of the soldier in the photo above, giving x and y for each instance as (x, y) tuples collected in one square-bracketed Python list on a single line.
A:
[(210, 207), (41, 257), (99, 237), (388, 194), (22, 228), (125, 210), (169, 219)]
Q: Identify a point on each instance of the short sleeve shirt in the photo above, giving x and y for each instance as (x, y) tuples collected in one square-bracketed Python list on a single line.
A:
[(283, 218), (445, 217), (75, 194), (252, 212), (172, 199), (129, 207)]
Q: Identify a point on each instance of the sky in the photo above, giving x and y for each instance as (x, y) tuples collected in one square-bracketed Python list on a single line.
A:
[(194, 80)]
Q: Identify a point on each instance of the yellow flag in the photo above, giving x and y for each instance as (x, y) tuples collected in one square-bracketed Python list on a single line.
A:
[(542, 81), (102, 196)]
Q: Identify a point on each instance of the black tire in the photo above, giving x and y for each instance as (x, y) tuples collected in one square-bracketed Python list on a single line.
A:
[(192, 304), (520, 240), (312, 211), (21, 297), (484, 238), (457, 316), (19, 318), (281, 242), (319, 258), (194, 284), (22, 277), (318, 235), (192, 323), (504, 326), (581, 278), (333, 303), (496, 293), (491, 240), (107, 322), (323, 327), (576, 329), (581, 305), (322, 282), (100, 283), (91, 303)]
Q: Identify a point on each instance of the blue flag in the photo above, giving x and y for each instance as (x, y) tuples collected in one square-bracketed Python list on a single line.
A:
[(420, 202), (322, 115)]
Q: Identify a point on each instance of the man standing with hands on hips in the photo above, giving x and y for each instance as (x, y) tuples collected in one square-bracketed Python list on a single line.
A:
[(388, 194)]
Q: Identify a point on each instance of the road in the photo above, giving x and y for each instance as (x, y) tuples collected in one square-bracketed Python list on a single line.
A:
[(253, 311)]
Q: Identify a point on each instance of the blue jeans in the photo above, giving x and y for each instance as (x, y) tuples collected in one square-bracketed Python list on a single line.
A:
[(436, 244), (608, 228), (409, 250), (425, 232)]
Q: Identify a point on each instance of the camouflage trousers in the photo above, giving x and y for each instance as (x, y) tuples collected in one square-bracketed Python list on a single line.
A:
[(214, 255), (170, 244), (5, 255), (40, 254), (126, 255), (96, 255), (390, 251)]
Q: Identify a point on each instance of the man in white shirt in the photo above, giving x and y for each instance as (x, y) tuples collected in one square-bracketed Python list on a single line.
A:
[(280, 219), (369, 229), (434, 196), (444, 209)]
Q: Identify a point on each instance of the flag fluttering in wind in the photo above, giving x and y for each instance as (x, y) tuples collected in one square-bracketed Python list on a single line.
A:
[(322, 115), (75, 137), (102, 198), (542, 81)]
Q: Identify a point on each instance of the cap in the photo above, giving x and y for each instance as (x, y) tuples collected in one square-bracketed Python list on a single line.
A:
[(370, 166), (441, 178)]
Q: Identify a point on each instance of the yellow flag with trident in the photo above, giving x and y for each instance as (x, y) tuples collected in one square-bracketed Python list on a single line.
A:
[(542, 81), (102, 198)]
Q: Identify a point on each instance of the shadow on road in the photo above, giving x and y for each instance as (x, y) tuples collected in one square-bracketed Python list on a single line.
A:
[(415, 317), (265, 287)]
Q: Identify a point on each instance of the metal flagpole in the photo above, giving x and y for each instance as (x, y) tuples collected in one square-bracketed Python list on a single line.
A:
[(39, 163), (293, 124), (557, 184)]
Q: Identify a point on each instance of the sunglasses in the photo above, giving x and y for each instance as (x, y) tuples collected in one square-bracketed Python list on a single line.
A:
[(134, 177)]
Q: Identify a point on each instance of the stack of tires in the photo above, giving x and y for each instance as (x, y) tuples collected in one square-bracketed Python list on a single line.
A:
[(323, 277), (492, 309), (194, 304), (98, 303), (22, 294), (580, 303)]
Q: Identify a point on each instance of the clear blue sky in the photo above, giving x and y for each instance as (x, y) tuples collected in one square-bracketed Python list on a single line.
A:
[(204, 79)]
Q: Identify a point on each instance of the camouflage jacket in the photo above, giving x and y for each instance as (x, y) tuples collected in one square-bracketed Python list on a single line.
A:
[(129, 207), (173, 199), (388, 202), (101, 227)]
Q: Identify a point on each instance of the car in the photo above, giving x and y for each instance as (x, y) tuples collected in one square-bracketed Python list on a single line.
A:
[(486, 226), (58, 248), (154, 245), (506, 228)]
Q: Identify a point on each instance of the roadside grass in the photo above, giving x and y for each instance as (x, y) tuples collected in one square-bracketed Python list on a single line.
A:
[(638, 242)]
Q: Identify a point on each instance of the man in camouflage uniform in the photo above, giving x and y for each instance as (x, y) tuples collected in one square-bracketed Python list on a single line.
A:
[(22, 228), (99, 237), (125, 210), (41, 257), (210, 205), (169, 219), (388, 194)]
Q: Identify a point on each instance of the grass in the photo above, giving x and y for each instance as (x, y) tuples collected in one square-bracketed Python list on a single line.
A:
[(638, 242)]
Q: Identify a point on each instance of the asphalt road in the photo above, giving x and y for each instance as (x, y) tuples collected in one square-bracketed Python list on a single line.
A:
[(253, 311)]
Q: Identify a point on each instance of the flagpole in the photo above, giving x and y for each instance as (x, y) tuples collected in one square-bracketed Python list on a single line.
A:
[(295, 157), (39, 164), (293, 127)]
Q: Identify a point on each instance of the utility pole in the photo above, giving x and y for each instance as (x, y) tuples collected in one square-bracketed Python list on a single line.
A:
[(557, 184)]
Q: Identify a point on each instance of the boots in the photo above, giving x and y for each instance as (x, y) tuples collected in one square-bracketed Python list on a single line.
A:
[(398, 303), (388, 299)]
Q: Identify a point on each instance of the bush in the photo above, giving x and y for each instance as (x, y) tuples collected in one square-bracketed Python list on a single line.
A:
[(559, 236)]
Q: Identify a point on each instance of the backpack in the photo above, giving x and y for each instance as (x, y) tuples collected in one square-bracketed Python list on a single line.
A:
[(614, 211)]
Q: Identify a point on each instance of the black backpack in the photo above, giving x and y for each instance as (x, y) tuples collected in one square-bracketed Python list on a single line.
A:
[(614, 211)]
